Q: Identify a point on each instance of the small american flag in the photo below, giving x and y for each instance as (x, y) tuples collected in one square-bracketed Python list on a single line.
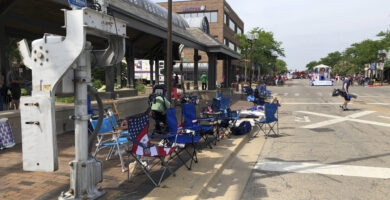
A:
[(138, 131)]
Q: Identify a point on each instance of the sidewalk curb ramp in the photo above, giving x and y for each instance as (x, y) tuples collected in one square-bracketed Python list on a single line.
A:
[(190, 184)]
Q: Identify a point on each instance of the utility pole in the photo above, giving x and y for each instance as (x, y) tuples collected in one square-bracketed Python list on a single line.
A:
[(169, 52)]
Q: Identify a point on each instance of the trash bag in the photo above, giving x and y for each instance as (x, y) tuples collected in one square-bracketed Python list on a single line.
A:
[(336, 92), (244, 128)]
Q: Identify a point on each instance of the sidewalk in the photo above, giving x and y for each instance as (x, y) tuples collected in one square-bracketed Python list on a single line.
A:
[(17, 184)]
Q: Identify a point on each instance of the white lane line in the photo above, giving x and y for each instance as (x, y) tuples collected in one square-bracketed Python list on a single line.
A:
[(384, 117), (296, 94), (379, 104), (276, 94), (338, 119), (301, 103), (315, 168), (285, 94)]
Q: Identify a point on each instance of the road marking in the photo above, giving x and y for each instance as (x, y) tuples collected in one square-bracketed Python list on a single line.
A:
[(305, 119), (384, 117), (302, 103), (285, 94), (296, 94), (320, 94), (338, 119), (379, 104), (315, 168)]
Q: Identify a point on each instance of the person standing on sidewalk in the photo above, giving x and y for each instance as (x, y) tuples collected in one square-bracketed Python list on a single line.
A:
[(345, 92), (13, 82), (203, 78), (276, 80)]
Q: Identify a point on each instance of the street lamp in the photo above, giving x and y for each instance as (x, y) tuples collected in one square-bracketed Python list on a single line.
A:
[(251, 38)]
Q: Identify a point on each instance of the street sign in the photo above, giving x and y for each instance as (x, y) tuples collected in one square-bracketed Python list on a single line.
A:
[(78, 3)]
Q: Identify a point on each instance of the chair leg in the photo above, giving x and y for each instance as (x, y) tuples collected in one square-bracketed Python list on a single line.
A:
[(146, 171), (120, 157)]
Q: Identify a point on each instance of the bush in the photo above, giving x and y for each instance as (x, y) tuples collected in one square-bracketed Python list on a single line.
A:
[(97, 83), (140, 88), (65, 99)]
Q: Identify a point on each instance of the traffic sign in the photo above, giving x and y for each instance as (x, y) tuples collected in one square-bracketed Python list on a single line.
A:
[(78, 3)]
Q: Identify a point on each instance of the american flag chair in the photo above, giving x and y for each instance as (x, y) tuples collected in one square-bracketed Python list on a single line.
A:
[(138, 127)]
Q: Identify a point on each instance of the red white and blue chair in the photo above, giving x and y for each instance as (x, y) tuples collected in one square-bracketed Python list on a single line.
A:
[(138, 127)]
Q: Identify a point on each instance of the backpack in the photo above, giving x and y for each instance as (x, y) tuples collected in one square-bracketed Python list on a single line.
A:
[(244, 128)]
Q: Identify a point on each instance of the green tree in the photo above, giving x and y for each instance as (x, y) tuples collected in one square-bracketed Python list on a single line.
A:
[(281, 66), (332, 59), (263, 51), (311, 65)]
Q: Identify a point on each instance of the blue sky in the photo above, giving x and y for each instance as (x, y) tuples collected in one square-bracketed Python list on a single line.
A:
[(310, 29)]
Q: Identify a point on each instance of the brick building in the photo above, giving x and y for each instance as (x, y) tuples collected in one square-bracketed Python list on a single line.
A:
[(224, 23)]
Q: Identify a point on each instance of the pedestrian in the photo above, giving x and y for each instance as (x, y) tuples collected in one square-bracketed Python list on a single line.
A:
[(276, 80), (3, 93), (345, 92), (238, 78), (176, 80), (13, 82), (203, 78)]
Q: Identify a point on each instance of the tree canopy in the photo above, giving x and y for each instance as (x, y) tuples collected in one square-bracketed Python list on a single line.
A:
[(353, 59), (263, 51)]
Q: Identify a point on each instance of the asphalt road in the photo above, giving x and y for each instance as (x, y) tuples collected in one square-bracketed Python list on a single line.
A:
[(323, 152)]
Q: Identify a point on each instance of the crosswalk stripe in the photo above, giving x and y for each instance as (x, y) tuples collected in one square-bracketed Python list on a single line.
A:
[(316, 168), (296, 94), (285, 94)]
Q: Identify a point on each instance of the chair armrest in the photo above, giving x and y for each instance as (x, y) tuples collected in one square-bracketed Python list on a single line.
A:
[(109, 133), (121, 128)]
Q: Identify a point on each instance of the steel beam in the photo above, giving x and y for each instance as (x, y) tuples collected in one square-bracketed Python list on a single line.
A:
[(130, 64)]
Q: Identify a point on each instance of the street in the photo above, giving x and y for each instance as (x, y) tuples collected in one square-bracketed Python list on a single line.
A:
[(323, 152)]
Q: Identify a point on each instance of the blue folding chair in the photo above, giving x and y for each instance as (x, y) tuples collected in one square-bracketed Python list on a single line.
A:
[(107, 137), (202, 127), (182, 138), (270, 120)]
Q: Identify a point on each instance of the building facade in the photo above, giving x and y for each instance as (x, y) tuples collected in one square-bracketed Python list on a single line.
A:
[(224, 24)]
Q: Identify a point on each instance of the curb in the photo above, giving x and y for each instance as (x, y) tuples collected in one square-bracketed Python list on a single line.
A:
[(196, 186), (214, 178)]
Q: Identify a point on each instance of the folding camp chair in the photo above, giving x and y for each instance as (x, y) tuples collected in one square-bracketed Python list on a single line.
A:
[(180, 138), (114, 122), (138, 127), (202, 127), (107, 137), (271, 109)]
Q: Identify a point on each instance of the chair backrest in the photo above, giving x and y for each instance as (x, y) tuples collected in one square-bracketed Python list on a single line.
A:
[(189, 113), (160, 90), (112, 118), (106, 126), (225, 104), (270, 111), (138, 127), (216, 104), (171, 120), (90, 111)]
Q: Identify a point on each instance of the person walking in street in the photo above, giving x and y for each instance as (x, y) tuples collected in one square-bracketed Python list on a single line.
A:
[(276, 80), (345, 92), (13, 82), (203, 78)]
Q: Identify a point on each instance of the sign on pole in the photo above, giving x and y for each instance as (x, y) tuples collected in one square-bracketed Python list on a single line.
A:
[(78, 3)]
